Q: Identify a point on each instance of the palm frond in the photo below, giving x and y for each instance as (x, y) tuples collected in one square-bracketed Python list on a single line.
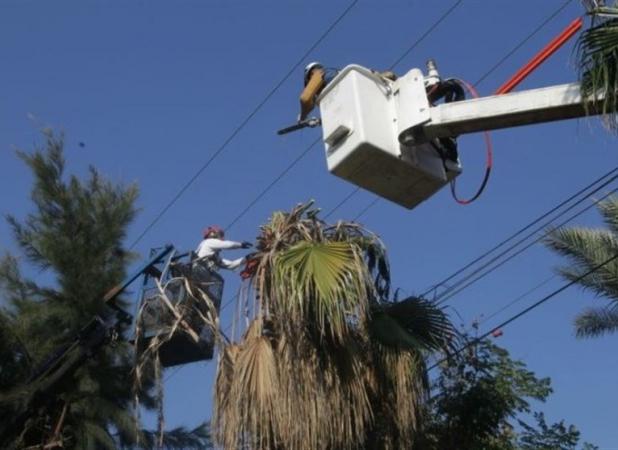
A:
[(321, 283), (598, 66), (412, 324), (609, 210), (252, 415), (403, 389), (587, 248), (596, 322)]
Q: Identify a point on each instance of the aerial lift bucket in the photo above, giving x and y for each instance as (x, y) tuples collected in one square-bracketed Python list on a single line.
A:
[(172, 311)]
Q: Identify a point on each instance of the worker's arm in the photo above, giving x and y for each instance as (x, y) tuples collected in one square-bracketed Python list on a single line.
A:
[(231, 264), (219, 244), (312, 89)]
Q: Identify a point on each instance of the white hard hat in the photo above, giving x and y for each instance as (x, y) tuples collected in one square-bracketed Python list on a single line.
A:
[(309, 67)]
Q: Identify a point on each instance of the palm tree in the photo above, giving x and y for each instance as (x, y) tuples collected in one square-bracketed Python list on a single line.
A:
[(598, 61), (325, 361), (587, 248)]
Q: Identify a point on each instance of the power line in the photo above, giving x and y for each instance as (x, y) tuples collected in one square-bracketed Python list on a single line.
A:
[(426, 33), (479, 81), (518, 298), (272, 184), (243, 124), (456, 290), (523, 41), (526, 310), (526, 228)]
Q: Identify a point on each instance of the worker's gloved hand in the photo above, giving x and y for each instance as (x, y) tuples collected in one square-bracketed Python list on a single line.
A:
[(246, 244)]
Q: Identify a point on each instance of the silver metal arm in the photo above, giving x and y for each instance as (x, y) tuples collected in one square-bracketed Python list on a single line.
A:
[(503, 111)]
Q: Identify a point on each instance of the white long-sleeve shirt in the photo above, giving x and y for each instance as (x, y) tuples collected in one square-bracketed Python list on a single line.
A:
[(210, 248)]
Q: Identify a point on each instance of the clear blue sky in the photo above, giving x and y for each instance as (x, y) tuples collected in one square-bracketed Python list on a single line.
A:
[(153, 88)]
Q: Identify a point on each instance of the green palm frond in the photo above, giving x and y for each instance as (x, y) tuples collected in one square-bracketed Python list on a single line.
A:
[(598, 66), (585, 249), (321, 282), (609, 210), (596, 322), (412, 324)]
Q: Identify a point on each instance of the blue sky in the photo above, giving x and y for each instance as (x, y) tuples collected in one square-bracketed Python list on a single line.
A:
[(153, 88)]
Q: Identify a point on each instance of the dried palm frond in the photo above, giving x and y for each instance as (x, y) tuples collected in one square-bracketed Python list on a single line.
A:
[(253, 392), (225, 411), (403, 388)]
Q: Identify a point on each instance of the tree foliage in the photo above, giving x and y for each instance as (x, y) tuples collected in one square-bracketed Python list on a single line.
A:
[(74, 238), (479, 399), (598, 63)]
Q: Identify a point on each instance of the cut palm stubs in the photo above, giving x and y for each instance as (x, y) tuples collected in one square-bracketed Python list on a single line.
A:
[(326, 360)]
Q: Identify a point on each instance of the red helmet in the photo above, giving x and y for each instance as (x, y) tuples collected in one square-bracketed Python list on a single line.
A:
[(213, 230)]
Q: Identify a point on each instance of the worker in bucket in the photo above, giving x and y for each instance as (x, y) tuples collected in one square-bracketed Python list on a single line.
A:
[(208, 251), (316, 78)]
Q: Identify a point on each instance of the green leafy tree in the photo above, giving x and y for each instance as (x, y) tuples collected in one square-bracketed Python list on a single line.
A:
[(479, 398), (75, 235), (585, 249), (598, 61), (555, 436), (327, 361)]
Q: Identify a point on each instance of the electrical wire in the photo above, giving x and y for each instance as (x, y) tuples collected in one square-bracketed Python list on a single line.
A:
[(482, 78), (272, 184), (463, 284), (517, 299), (242, 124), (526, 310), (609, 175)]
